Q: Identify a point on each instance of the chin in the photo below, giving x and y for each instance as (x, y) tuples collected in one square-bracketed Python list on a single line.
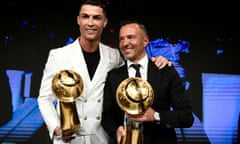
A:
[(128, 56)]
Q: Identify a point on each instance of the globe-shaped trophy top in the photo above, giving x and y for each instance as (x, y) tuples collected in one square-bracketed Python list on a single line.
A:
[(67, 85), (134, 95)]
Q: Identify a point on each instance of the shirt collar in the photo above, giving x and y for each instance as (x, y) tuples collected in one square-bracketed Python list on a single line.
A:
[(143, 62)]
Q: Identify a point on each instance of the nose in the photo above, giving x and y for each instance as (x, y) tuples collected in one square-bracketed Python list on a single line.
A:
[(124, 43), (90, 21)]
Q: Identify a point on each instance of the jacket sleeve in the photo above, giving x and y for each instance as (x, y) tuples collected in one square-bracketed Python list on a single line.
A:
[(112, 116), (180, 113), (46, 98)]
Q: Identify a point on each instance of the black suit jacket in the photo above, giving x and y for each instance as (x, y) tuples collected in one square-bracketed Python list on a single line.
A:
[(170, 100)]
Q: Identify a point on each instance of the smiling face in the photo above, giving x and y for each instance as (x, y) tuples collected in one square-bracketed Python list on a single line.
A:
[(132, 41), (91, 21)]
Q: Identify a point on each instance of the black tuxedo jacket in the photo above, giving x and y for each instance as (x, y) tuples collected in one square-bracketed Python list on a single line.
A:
[(170, 100)]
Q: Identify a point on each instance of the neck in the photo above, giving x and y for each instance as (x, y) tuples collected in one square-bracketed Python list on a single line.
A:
[(89, 46), (137, 59)]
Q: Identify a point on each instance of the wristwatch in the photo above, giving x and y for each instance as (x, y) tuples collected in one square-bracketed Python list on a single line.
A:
[(156, 116)]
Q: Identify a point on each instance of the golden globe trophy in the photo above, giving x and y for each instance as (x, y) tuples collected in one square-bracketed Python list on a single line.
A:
[(67, 85), (134, 95)]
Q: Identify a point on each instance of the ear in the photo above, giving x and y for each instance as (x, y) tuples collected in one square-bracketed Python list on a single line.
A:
[(146, 41), (105, 23), (78, 21)]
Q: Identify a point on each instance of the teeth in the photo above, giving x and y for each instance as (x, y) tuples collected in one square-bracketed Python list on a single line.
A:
[(90, 30)]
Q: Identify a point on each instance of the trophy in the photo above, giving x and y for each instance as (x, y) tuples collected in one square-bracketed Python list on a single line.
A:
[(67, 85), (134, 95)]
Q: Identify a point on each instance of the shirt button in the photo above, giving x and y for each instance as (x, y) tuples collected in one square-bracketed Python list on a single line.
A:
[(85, 100), (98, 117), (99, 100), (85, 118)]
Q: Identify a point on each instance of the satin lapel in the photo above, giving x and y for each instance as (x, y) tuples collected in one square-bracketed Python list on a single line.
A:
[(76, 58), (121, 75), (101, 71), (123, 72)]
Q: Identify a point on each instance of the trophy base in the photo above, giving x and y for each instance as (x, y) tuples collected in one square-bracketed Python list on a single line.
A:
[(68, 137), (70, 133)]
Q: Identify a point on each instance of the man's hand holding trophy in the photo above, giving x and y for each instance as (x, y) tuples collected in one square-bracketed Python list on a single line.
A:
[(134, 96), (67, 85)]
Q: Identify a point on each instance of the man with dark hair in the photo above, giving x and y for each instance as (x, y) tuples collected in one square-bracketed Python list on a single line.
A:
[(171, 107), (91, 59)]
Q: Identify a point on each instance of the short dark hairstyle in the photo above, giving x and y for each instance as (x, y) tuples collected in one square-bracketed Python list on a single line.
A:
[(98, 3), (141, 25)]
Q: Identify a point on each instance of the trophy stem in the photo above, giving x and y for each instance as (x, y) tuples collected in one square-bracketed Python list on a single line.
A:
[(70, 122), (134, 133)]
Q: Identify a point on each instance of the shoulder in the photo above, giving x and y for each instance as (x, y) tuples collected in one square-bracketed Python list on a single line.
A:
[(118, 71), (168, 70), (64, 49), (112, 54), (108, 48), (116, 75)]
